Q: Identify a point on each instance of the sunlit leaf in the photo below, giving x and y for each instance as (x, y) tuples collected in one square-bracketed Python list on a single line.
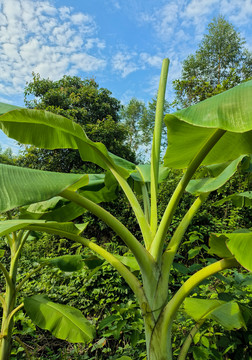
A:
[(63, 321), (129, 261), (189, 129), (22, 186), (200, 308), (240, 245), (228, 314), (51, 131), (218, 246), (7, 107), (208, 184)]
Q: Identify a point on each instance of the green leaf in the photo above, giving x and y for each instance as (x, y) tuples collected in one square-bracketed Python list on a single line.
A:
[(93, 262), (129, 261), (63, 321), (181, 268), (194, 252), (9, 226), (124, 358), (218, 246), (142, 175), (189, 129), (60, 209), (55, 209), (51, 131), (204, 341), (107, 321), (200, 353), (200, 308), (239, 200), (209, 184), (240, 245), (65, 263), (117, 331), (228, 314), (4, 108), (22, 186)]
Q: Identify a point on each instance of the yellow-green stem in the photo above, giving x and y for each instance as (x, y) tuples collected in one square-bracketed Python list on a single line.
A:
[(6, 274), (155, 152), (172, 307), (187, 343), (158, 242), (144, 259), (171, 250), (141, 218)]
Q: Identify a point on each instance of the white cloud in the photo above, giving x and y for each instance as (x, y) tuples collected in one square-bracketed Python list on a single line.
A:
[(124, 63), (116, 4), (239, 11), (152, 60), (37, 36), (198, 8), (87, 62), (163, 19)]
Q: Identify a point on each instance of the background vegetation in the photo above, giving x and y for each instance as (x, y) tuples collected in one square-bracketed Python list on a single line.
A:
[(220, 63)]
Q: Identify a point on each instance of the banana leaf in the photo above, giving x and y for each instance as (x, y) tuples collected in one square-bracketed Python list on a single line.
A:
[(189, 129), (63, 321)]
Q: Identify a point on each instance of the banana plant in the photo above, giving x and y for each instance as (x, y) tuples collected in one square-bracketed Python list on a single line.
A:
[(63, 321), (215, 131)]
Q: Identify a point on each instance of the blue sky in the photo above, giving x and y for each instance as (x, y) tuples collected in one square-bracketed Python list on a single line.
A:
[(119, 43)]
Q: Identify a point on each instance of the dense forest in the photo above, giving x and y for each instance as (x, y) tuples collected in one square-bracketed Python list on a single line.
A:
[(90, 284)]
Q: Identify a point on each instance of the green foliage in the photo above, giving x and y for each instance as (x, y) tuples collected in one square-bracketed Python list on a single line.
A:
[(140, 121), (220, 63), (213, 132), (63, 321), (96, 290), (85, 103)]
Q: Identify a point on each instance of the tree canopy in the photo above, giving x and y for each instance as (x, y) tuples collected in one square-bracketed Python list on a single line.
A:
[(220, 62), (82, 101), (140, 119)]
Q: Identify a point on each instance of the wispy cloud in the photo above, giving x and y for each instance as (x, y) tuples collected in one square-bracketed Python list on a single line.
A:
[(123, 63), (126, 62), (180, 25), (37, 36)]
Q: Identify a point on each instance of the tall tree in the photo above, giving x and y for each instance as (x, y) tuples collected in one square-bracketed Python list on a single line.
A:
[(140, 120), (81, 101), (220, 63), (132, 115)]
